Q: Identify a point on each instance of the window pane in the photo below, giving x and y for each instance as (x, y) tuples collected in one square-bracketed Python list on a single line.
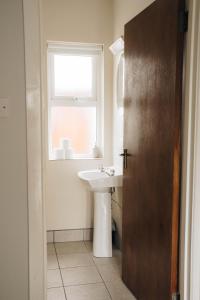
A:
[(73, 75), (77, 124)]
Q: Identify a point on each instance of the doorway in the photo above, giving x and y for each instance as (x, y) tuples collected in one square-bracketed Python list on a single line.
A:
[(36, 210), (69, 206)]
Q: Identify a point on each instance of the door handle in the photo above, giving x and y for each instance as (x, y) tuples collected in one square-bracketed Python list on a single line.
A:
[(125, 155)]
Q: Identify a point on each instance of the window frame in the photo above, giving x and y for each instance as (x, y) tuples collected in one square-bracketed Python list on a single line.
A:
[(79, 49)]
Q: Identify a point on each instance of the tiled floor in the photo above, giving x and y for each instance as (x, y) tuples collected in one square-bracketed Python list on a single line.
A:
[(74, 274)]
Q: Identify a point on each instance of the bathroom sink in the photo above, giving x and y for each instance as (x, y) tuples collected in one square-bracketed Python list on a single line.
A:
[(99, 180)]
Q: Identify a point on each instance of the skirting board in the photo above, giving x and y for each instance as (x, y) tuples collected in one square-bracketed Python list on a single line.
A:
[(61, 236)]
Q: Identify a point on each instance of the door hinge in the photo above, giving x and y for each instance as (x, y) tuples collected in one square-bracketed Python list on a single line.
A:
[(184, 21), (176, 296)]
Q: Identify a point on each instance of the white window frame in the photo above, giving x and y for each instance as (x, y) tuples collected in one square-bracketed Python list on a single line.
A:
[(95, 50)]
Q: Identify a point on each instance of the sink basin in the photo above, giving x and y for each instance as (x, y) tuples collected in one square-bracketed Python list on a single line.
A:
[(99, 180)]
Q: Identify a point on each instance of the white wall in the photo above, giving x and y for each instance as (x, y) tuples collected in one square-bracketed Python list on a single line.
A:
[(124, 11), (13, 177), (90, 21)]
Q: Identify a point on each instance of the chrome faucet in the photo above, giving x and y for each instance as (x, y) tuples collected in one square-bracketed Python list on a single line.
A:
[(101, 168), (110, 171)]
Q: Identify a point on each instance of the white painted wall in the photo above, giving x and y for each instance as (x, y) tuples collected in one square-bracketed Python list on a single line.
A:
[(13, 165), (124, 11), (90, 21)]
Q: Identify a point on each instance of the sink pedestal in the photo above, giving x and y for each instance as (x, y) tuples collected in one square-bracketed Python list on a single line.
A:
[(102, 240)]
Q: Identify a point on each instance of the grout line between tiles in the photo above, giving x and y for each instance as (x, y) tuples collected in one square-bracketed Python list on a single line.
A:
[(100, 276), (54, 288), (53, 269), (60, 271), (83, 284), (86, 266)]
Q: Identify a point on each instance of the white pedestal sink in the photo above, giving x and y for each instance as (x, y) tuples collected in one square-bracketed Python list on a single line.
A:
[(101, 183)]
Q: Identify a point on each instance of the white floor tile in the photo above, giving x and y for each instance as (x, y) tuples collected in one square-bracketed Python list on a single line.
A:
[(71, 248), (89, 246), (68, 236), (52, 262), (112, 278), (80, 275), (81, 279), (50, 249), (87, 292), (116, 259), (109, 271), (54, 278), (75, 260), (55, 294), (49, 236), (88, 234)]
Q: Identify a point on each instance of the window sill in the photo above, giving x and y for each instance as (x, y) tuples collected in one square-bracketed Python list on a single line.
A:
[(76, 158)]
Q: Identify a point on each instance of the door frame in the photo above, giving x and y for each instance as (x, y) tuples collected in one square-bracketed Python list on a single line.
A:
[(190, 212), (190, 221), (35, 164)]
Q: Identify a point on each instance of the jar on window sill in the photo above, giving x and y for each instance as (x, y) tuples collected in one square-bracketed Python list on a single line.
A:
[(95, 151)]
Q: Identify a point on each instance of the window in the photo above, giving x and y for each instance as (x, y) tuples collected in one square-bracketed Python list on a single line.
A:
[(75, 100)]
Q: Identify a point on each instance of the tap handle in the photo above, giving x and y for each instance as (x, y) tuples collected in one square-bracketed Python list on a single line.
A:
[(112, 172), (101, 168)]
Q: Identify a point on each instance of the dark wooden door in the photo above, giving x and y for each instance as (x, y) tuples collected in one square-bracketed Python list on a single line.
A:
[(153, 84)]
